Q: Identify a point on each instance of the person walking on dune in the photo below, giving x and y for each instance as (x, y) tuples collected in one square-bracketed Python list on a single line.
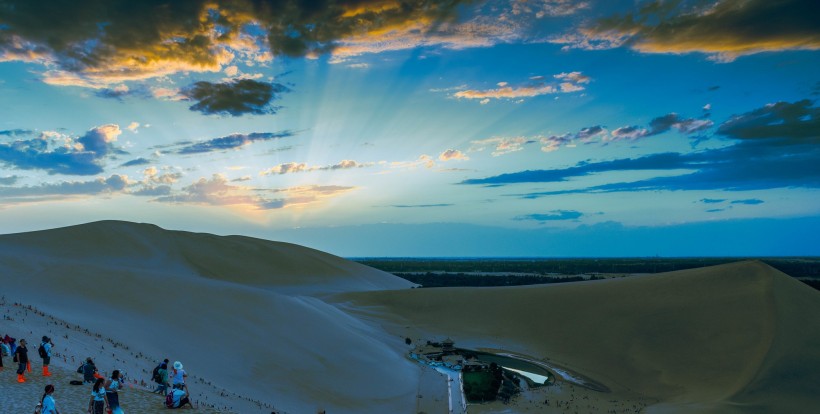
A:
[(178, 379), (45, 354), (21, 357), (112, 388), (48, 403), (161, 378), (99, 401)]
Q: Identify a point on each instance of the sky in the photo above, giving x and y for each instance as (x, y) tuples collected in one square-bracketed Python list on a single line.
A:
[(366, 128)]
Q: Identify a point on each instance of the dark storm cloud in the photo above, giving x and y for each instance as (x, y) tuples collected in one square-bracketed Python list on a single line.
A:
[(724, 29), (776, 147), (137, 161), (235, 98), (231, 142), (554, 215)]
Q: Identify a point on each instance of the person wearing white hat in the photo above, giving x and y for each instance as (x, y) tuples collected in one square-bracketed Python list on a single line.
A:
[(178, 379)]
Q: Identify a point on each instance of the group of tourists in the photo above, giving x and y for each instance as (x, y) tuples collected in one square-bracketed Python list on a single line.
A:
[(178, 396), (105, 391)]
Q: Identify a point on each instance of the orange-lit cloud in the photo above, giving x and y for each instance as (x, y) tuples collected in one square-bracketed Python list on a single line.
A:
[(564, 83), (724, 30), (292, 167), (452, 154)]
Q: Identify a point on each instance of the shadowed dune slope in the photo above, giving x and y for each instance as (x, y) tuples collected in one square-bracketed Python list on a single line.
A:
[(741, 336), (235, 310)]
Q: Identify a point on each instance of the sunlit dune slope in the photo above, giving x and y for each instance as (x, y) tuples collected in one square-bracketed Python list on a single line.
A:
[(741, 336), (235, 310)]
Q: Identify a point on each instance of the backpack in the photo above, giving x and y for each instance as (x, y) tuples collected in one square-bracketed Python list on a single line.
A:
[(42, 350), (169, 400), (155, 375)]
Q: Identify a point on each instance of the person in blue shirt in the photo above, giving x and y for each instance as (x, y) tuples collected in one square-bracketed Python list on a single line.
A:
[(48, 402), (47, 345)]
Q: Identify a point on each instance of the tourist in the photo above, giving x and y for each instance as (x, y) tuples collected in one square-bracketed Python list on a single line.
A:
[(47, 345), (180, 398), (179, 377), (49, 406), (112, 388), (99, 401), (21, 357), (162, 378), (89, 371)]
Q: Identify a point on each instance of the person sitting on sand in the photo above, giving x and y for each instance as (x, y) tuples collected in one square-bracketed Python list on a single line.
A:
[(47, 345), (99, 400), (112, 388), (180, 398), (179, 376), (48, 403), (21, 356)]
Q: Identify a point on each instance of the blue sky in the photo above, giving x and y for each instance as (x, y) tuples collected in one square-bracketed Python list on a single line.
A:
[(430, 128)]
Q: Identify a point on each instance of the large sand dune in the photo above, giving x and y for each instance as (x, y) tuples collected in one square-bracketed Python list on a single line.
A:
[(234, 309), (739, 337), (301, 329)]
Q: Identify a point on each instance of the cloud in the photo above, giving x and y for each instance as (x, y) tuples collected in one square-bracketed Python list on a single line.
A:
[(62, 190), (292, 167), (133, 126), (10, 180), (724, 29), (769, 151), (421, 205), (452, 154), (232, 141), (789, 121), (548, 8), (15, 132), (136, 161), (86, 45), (590, 133), (554, 215), (565, 83), (121, 91), (57, 153), (748, 201), (235, 98), (660, 125), (712, 200), (501, 145)]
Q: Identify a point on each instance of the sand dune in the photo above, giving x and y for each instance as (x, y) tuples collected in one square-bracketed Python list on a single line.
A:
[(297, 329), (244, 323), (732, 337)]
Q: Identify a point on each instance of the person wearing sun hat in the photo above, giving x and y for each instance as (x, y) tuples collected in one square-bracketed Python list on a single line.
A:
[(178, 378)]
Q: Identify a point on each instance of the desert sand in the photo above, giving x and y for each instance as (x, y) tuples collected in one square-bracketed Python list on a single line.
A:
[(266, 326)]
